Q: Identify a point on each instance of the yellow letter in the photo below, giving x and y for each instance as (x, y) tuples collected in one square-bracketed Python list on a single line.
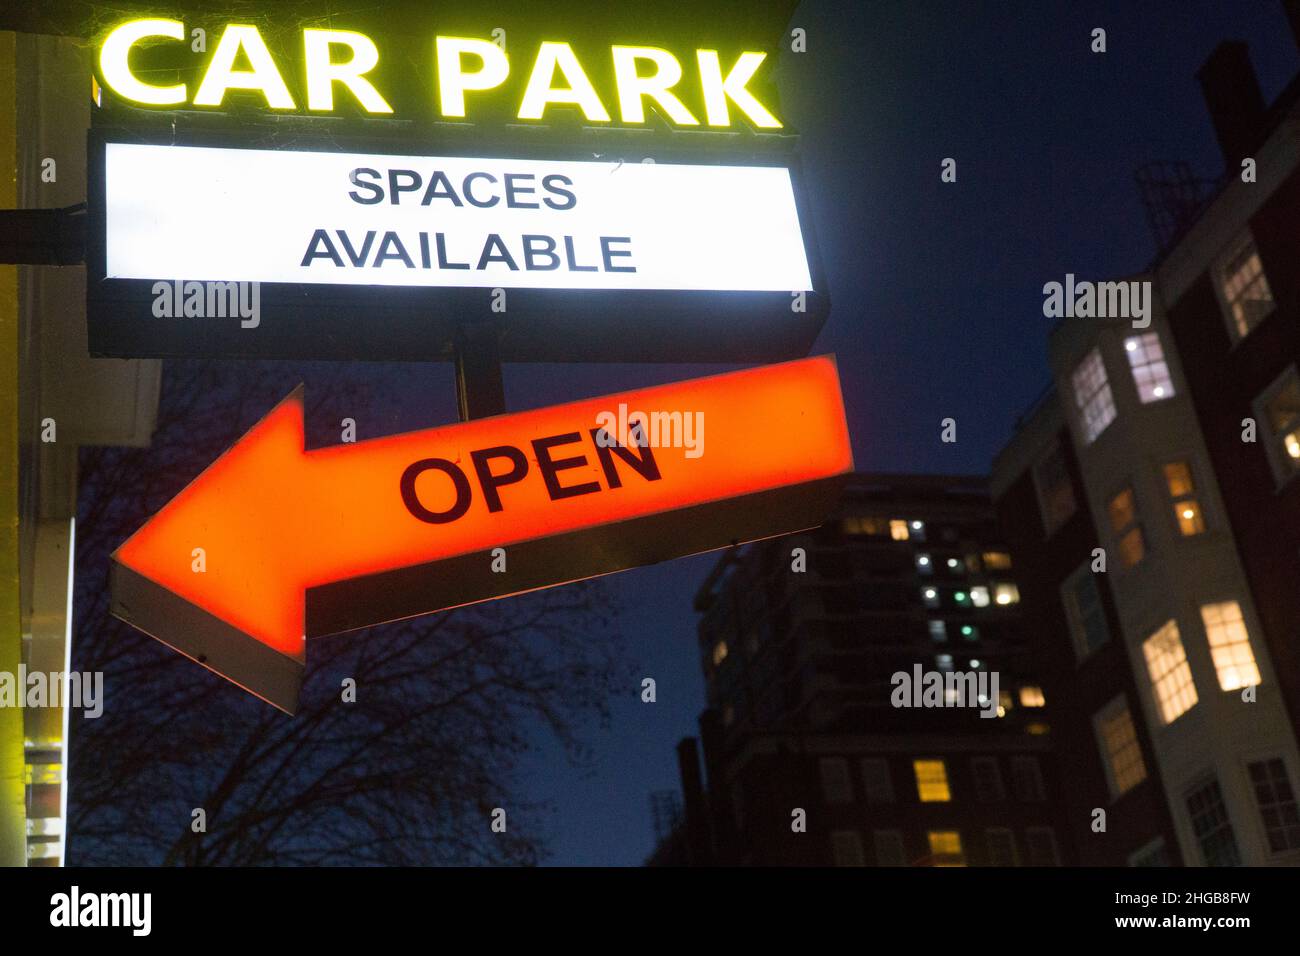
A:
[(322, 74), (115, 53), (656, 86), (717, 90), (222, 76), (452, 83), (540, 92)]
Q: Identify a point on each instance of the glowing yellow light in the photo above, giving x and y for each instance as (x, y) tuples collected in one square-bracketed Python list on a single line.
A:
[(1293, 445), (453, 82), (221, 75), (114, 65), (658, 85), (718, 90), (322, 73), (541, 92)]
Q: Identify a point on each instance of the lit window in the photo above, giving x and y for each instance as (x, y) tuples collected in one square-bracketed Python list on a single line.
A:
[(970, 632), (719, 653), (836, 787), (1171, 677), (988, 780), (876, 782), (1124, 522), (846, 848), (1055, 490), (938, 631), (1027, 780), (1277, 806), (889, 848), (1041, 843), (1005, 594), (1120, 750), (1005, 702), (924, 564), (1032, 697), (859, 525), (898, 530), (1234, 661), (1150, 371), (931, 781), (1245, 287), (979, 596), (997, 560), (931, 597), (1002, 846), (1212, 825), (1084, 611), (945, 848), (953, 564), (943, 662), (1182, 496), (1279, 411), (1092, 396)]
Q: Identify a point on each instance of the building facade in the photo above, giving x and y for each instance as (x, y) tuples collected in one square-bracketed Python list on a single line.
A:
[(815, 753), (1155, 502)]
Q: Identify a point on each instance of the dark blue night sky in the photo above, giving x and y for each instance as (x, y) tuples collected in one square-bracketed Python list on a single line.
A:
[(936, 288)]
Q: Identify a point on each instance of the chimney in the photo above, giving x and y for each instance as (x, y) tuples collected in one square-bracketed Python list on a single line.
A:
[(1292, 8), (1234, 100)]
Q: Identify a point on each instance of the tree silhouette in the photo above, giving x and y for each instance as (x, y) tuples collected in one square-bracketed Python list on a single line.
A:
[(446, 705)]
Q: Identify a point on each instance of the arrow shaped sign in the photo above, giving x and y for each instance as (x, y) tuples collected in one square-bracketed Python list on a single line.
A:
[(273, 543)]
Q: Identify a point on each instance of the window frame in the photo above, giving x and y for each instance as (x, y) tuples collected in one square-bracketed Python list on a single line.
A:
[(889, 833), (826, 784), (1289, 771), (1139, 335), (1151, 682), (1079, 408), (1074, 616), (1204, 782), (1194, 495), (1109, 711), (856, 837), (1283, 472), (1051, 524), (1246, 237), (1117, 536)]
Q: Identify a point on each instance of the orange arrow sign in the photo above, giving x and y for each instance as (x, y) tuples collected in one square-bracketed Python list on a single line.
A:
[(273, 544)]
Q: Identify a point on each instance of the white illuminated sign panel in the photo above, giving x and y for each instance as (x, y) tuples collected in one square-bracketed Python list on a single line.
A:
[(364, 219)]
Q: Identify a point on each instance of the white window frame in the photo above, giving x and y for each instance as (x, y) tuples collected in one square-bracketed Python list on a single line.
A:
[(1138, 336), (1088, 436)]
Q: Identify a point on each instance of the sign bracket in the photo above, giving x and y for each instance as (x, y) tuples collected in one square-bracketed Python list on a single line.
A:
[(480, 387), (43, 237)]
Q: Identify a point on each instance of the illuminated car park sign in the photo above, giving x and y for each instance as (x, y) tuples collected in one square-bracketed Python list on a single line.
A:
[(466, 67)]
